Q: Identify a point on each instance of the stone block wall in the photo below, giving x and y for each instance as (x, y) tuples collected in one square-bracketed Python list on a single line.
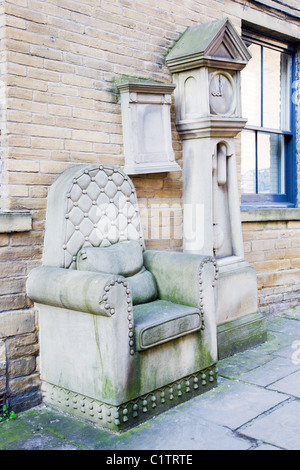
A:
[(274, 249), (60, 107), (19, 363)]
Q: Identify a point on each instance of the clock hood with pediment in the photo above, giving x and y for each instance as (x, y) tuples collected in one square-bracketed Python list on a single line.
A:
[(206, 64), (215, 44)]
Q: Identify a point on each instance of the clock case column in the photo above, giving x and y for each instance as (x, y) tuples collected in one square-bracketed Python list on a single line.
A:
[(206, 63)]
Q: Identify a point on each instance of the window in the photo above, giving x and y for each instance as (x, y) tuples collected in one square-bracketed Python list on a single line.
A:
[(268, 156)]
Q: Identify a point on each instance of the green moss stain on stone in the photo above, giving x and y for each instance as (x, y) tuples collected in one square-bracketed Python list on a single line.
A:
[(10, 431), (203, 357), (196, 39), (97, 341)]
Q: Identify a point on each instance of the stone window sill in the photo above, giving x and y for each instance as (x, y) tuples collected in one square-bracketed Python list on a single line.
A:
[(15, 221), (274, 214)]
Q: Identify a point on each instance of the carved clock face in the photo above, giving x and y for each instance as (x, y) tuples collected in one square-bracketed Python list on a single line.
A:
[(221, 94)]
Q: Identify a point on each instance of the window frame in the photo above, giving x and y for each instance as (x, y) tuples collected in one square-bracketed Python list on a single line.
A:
[(289, 198)]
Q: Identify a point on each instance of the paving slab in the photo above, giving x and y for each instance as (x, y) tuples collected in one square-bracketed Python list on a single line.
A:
[(266, 447), (233, 403), (289, 385), (274, 370), (75, 432), (290, 327), (288, 351), (36, 441), (11, 431), (179, 429), (293, 313), (280, 428), (172, 430), (256, 406), (240, 363)]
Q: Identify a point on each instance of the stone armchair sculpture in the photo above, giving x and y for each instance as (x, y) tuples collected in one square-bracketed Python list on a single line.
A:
[(125, 333)]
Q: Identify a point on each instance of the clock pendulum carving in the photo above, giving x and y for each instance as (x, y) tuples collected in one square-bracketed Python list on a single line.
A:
[(220, 91)]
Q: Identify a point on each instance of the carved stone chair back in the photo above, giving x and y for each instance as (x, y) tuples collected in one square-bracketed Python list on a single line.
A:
[(93, 205)]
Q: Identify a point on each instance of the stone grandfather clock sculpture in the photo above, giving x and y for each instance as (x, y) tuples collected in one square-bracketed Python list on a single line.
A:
[(206, 62)]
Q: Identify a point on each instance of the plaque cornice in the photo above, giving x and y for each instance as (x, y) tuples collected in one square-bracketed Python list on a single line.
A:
[(146, 87)]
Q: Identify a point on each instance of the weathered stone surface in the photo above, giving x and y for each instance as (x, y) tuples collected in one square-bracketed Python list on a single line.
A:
[(2, 383), (24, 384), (22, 340), (2, 358), (28, 350), (2, 351), (12, 302), (16, 322), (15, 221), (21, 367), (240, 334), (289, 384), (280, 427), (241, 403), (275, 371)]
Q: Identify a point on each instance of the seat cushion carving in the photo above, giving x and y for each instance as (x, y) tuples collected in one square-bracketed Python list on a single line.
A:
[(121, 327), (161, 321)]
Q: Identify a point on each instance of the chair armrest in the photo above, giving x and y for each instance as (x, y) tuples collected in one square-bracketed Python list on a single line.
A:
[(181, 277), (82, 291)]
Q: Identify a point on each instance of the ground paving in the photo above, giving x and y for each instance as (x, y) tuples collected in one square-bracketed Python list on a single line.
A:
[(256, 406)]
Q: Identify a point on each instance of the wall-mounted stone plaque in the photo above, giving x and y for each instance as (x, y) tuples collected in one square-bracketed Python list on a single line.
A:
[(147, 127)]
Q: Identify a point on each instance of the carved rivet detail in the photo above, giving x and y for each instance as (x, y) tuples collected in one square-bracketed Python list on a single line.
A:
[(201, 291), (196, 383), (119, 415), (135, 409)]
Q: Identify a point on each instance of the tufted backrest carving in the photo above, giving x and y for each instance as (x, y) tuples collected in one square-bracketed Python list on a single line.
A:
[(89, 205)]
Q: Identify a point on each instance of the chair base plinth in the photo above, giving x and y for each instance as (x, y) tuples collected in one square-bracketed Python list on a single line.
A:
[(130, 414)]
